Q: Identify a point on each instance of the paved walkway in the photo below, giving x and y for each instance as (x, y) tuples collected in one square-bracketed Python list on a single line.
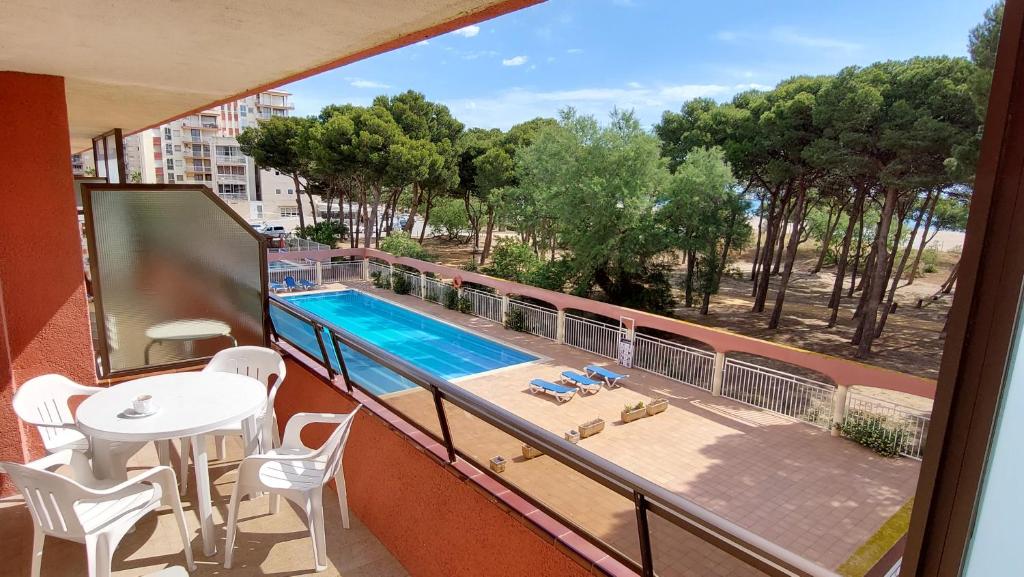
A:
[(791, 483)]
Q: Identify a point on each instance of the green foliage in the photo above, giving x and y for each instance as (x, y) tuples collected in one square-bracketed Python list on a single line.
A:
[(634, 407), (465, 305), (875, 432), (400, 283), (323, 232), (470, 266), (930, 260), (552, 275), (515, 319), (451, 300), (449, 216), (380, 280), (513, 260), (401, 244)]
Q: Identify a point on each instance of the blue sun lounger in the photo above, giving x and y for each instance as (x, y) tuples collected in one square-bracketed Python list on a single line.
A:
[(585, 383), (289, 281), (277, 287), (610, 377), (306, 284), (560, 392)]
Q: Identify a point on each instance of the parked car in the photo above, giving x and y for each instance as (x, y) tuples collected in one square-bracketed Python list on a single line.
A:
[(274, 231)]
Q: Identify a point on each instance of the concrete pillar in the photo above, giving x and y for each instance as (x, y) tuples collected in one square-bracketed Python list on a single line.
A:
[(366, 269), (504, 307), (560, 330), (423, 286), (839, 408), (44, 326), (719, 375), (319, 268)]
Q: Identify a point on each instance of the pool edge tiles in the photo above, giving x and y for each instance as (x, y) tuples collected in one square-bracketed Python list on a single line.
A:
[(439, 347)]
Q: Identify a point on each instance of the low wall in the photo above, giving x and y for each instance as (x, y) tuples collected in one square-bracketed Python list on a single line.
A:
[(434, 522), (841, 371)]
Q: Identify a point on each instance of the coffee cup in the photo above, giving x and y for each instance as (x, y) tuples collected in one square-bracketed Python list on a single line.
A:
[(143, 404)]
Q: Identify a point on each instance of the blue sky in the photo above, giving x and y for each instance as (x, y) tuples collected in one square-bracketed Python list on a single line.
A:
[(646, 55)]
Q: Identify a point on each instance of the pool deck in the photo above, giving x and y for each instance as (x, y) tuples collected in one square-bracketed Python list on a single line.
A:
[(789, 482)]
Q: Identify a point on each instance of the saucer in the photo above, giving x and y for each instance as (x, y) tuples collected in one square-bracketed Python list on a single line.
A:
[(130, 413)]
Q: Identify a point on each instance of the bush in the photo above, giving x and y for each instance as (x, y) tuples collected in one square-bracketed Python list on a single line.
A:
[(465, 305), (513, 260), (930, 259), (448, 217), (379, 280), (401, 244), (552, 275), (323, 232), (470, 266), (400, 283), (515, 319), (875, 432), (451, 300)]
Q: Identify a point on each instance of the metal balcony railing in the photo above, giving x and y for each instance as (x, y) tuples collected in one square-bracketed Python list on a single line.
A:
[(655, 507)]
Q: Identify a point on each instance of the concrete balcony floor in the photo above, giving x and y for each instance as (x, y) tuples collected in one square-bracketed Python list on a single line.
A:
[(276, 545)]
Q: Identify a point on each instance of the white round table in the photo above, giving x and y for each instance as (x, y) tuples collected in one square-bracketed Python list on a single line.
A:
[(187, 330), (189, 405)]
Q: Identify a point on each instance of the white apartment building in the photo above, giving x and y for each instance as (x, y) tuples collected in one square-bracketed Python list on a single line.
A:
[(203, 149)]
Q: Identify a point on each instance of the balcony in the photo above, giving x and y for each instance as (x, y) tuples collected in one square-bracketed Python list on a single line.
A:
[(230, 159), (233, 197), (193, 169), (191, 152), (231, 177)]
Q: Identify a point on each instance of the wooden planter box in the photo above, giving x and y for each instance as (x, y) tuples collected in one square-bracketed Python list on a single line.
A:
[(497, 464), (591, 428), (530, 452), (657, 406), (630, 415)]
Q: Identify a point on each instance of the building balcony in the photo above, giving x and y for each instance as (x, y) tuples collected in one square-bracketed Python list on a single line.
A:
[(233, 197), (189, 152), (192, 169), (230, 159), (231, 178)]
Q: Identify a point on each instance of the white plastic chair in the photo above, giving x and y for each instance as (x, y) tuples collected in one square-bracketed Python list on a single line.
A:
[(44, 401), (299, 474), (262, 364), (98, 517)]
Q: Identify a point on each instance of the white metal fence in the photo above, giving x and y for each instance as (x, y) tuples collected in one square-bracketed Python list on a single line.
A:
[(412, 277), (790, 395), (297, 243), (904, 426), (342, 271), (592, 336), (538, 320), (436, 291), (299, 273), (383, 269), (485, 305), (678, 362)]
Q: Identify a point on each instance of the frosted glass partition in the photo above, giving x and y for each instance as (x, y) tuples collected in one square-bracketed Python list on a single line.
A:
[(177, 275)]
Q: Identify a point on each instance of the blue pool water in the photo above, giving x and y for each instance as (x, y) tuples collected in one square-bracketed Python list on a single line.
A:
[(436, 347)]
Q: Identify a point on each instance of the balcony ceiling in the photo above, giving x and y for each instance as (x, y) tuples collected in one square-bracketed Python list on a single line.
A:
[(132, 65)]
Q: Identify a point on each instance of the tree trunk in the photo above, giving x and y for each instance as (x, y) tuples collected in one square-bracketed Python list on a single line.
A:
[(489, 235), (868, 321), (787, 272), (691, 267), (860, 246), (757, 249), (924, 239), (837, 287), (865, 282), (427, 205), (781, 248), (829, 231), (760, 287), (899, 270), (371, 223), (417, 194), (298, 200)]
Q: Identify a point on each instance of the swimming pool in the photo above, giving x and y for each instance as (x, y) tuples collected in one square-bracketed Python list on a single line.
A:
[(436, 347)]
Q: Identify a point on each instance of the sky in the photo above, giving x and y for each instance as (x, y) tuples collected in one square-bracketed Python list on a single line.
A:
[(645, 55)]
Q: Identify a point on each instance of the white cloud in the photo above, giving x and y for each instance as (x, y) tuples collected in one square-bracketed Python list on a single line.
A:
[(506, 108), (789, 36), (551, 59), (634, 85), (514, 61), (423, 43), (363, 83), (468, 31), (574, 51)]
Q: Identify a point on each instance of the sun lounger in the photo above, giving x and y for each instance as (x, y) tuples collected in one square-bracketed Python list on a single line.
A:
[(610, 377), (277, 287), (307, 284), (585, 383), (560, 392), (289, 282)]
